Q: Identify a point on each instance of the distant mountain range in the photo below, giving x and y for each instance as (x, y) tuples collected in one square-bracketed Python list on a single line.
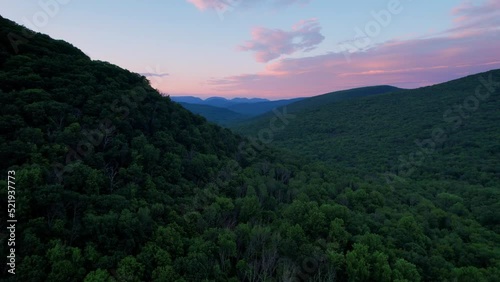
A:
[(216, 101), (237, 111), (230, 111)]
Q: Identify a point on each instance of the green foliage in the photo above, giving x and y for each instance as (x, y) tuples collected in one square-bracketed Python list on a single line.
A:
[(358, 267), (99, 275), (405, 271), (129, 270)]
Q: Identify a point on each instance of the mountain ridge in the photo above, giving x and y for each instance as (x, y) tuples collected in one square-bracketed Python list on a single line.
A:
[(226, 112), (314, 102)]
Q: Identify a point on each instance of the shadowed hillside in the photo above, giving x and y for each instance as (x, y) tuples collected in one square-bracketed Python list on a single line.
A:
[(313, 103), (221, 116)]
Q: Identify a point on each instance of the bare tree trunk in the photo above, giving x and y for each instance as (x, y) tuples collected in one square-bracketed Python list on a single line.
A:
[(111, 171)]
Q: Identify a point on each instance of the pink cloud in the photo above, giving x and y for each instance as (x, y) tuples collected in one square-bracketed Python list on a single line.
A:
[(269, 44), (210, 4), (470, 47), (226, 4)]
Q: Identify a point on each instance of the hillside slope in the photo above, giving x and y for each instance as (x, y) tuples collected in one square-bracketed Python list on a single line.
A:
[(313, 103), (337, 96), (443, 137), (370, 133)]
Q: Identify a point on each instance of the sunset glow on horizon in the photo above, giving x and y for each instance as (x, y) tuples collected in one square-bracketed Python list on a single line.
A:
[(276, 49)]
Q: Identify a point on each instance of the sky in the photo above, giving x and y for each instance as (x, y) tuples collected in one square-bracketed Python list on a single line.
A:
[(275, 49)]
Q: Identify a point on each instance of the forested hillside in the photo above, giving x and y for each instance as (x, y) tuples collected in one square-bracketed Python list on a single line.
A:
[(310, 104), (456, 124), (438, 142), (258, 108), (115, 182)]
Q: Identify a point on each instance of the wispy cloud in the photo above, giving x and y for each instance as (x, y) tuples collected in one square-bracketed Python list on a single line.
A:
[(467, 11), (474, 19), (470, 47), (269, 44)]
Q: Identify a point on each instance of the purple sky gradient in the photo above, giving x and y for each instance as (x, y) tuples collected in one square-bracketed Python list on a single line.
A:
[(276, 48)]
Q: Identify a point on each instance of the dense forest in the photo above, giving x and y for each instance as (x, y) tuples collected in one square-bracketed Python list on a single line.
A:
[(438, 143), (115, 182)]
